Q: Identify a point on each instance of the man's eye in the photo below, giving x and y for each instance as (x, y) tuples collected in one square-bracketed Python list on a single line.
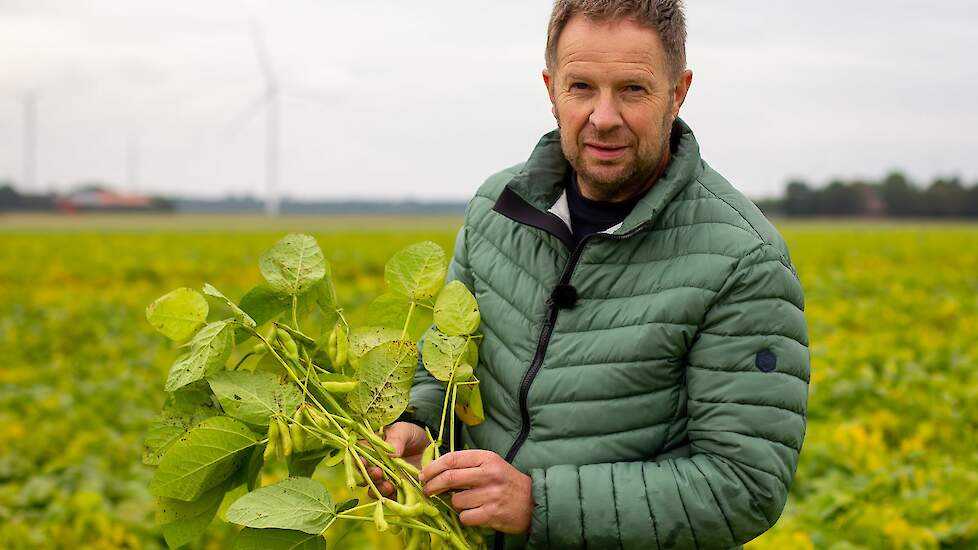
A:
[(635, 88), (579, 86)]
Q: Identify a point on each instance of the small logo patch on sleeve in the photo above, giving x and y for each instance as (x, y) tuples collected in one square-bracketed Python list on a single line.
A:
[(765, 360)]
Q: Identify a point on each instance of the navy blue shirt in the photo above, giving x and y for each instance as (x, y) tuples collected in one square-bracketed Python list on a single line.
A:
[(589, 216)]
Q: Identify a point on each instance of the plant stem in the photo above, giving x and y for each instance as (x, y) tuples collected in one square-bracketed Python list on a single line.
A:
[(451, 435), (408, 320), (295, 307)]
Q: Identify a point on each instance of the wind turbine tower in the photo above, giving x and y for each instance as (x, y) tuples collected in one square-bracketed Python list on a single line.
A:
[(29, 147), (272, 122)]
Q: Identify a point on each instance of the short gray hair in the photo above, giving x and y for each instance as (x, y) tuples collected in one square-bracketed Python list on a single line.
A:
[(666, 17)]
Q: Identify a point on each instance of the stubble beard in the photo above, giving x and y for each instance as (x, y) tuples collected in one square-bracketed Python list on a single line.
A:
[(632, 179)]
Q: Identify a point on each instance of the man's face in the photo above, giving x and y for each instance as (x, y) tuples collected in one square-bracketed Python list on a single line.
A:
[(615, 100)]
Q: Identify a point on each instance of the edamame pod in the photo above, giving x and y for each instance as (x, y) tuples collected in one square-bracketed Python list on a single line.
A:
[(379, 522), (271, 449), (372, 436), (429, 455), (297, 432), (342, 344), (288, 344), (283, 432), (340, 387), (351, 479), (406, 466), (404, 510), (436, 541)]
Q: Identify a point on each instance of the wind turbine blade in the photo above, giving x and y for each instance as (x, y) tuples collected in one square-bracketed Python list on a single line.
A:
[(261, 51), (244, 117)]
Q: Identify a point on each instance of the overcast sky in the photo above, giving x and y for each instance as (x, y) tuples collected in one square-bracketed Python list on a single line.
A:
[(394, 99)]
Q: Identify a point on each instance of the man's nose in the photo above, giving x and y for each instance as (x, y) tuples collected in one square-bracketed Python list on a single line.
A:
[(606, 115)]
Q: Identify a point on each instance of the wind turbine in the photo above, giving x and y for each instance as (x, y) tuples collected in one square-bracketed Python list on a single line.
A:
[(29, 143), (270, 100)]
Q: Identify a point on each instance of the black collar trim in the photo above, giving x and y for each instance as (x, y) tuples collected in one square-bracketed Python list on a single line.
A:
[(514, 207)]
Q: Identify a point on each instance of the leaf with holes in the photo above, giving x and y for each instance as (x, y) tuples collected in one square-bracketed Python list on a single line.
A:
[(364, 339), (441, 352), (182, 410), (391, 311), (209, 351), (385, 377), (253, 397)]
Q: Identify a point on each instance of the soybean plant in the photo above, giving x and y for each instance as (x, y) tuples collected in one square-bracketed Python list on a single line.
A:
[(252, 386)]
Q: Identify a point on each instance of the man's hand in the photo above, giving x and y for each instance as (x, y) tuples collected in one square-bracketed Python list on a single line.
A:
[(491, 492), (409, 442)]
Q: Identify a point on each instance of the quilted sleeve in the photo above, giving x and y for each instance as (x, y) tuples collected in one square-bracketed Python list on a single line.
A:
[(747, 383), (427, 393)]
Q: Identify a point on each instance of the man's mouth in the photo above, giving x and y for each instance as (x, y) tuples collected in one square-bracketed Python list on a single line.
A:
[(605, 151)]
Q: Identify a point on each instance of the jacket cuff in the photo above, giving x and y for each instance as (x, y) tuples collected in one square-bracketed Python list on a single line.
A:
[(538, 536)]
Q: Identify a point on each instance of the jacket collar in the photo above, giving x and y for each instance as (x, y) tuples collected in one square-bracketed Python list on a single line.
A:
[(540, 185)]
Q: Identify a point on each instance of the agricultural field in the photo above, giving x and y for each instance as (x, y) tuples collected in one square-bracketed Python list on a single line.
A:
[(889, 461)]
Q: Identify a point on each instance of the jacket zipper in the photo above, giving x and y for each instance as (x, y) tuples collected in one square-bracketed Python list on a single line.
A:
[(546, 333), (499, 540)]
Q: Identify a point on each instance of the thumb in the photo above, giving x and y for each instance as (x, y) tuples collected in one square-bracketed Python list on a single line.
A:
[(397, 436)]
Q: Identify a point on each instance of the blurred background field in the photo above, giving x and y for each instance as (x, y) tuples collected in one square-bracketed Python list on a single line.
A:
[(889, 460)]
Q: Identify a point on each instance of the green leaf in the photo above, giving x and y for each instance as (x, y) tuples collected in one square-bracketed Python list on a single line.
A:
[(238, 313), (441, 352), (297, 503), (325, 293), (263, 304), (184, 522), (417, 271), (385, 377), (305, 464), (179, 314), (209, 351), (203, 459), (182, 410), (456, 312), (253, 397), (277, 539), (364, 339), (468, 404), (293, 265), (347, 504), (391, 311)]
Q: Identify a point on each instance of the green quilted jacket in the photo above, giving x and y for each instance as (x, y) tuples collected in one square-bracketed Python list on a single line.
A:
[(652, 380)]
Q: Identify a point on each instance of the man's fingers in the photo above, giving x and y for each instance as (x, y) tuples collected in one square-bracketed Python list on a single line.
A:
[(470, 458), (385, 487), (376, 473), (475, 517), (453, 480), (472, 498)]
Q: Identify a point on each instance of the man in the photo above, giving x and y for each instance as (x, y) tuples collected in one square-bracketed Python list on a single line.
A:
[(645, 366)]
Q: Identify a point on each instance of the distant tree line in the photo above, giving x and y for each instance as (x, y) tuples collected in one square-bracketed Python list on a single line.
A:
[(893, 196)]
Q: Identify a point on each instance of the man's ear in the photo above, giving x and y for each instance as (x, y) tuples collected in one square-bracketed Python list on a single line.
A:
[(548, 82), (682, 89)]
